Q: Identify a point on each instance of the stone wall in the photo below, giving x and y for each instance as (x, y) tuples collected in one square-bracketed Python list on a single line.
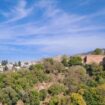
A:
[(93, 59)]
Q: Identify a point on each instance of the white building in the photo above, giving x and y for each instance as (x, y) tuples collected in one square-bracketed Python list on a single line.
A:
[(1, 68), (17, 68), (9, 66), (27, 64)]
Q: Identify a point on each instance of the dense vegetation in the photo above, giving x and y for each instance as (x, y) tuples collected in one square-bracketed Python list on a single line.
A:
[(69, 82)]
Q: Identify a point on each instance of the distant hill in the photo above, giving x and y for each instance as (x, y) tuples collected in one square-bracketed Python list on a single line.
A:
[(97, 51)]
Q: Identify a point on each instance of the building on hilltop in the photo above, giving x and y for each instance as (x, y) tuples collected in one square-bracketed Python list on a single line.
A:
[(89, 59)]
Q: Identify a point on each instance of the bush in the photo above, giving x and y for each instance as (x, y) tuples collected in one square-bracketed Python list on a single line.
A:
[(94, 69), (51, 66), (34, 98), (75, 60), (93, 97), (97, 51), (65, 60), (77, 99), (56, 89), (8, 96), (54, 101), (75, 76), (43, 94), (36, 67), (91, 83)]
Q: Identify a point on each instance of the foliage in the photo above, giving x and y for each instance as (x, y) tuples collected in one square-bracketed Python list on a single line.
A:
[(92, 97), (75, 60), (94, 69), (34, 98), (30, 98), (63, 100), (65, 61), (4, 62), (91, 83), (19, 63), (43, 94), (54, 101), (8, 96), (13, 85), (77, 85), (36, 67), (75, 76), (77, 99), (97, 51), (56, 89), (51, 66)]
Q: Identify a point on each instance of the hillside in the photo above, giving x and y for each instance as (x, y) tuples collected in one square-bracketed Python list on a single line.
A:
[(68, 81), (95, 52)]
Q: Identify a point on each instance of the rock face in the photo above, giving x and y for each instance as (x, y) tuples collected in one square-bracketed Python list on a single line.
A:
[(89, 59)]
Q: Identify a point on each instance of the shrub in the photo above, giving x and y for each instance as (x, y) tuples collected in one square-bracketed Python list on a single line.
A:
[(54, 101), (42, 94), (75, 76), (51, 66), (56, 89), (34, 98), (97, 51), (65, 60), (93, 97), (36, 67), (94, 69), (77, 99), (8, 96), (75, 60)]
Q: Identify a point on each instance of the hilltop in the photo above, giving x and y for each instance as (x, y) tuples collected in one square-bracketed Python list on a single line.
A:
[(95, 56), (97, 51)]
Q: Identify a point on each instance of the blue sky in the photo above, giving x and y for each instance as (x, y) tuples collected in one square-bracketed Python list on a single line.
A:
[(32, 29)]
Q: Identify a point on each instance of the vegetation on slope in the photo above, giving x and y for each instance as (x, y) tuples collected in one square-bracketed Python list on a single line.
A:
[(68, 82)]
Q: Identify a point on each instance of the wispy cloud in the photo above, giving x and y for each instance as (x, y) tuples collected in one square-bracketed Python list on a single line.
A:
[(55, 31), (59, 22), (18, 12)]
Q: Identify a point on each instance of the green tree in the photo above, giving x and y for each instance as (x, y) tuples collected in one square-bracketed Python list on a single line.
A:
[(6, 68), (65, 60), (36, 67), (93, 97), (51, 66), (75, 76), (24, 96), (75, 60), (34, 98), (77, 99), (62, 100), (4, 62), (8, 96), (56, 89), (54, 101), (19, 63), (97, 51), (42, 94), (94, 69)]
